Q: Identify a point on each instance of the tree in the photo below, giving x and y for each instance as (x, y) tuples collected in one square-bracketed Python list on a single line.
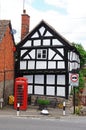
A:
[(82, 52), (82, 73)]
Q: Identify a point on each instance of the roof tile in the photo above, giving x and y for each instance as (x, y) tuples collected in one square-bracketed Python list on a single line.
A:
[(3, 26)]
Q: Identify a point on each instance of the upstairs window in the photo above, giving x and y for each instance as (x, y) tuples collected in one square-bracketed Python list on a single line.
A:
[(41, 54)]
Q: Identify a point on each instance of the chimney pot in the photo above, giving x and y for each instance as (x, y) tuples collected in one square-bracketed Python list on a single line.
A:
[(25, 23), (24, 11)]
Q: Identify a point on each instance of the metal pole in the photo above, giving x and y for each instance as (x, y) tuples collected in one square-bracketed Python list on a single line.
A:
[(74, 100), (64, 108), (18, 109)]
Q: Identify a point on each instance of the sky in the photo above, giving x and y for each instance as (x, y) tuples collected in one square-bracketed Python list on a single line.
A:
[(68, 17)]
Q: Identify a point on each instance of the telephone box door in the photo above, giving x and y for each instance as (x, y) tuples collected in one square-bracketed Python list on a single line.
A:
[(20, 93)]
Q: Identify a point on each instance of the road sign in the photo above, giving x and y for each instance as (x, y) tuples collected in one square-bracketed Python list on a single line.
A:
[(74, 78)]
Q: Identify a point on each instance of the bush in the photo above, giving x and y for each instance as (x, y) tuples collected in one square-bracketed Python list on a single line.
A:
[(60, 105), (77, 110), (43, 103)]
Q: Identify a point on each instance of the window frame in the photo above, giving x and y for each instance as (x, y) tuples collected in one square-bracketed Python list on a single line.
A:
[(41, 53)]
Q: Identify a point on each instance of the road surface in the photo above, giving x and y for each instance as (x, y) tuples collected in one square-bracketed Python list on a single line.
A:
[(25, 123)]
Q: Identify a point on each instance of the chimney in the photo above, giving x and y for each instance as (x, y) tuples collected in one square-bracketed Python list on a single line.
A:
[(25, 23)]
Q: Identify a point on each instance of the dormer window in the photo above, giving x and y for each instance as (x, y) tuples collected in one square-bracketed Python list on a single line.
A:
[(41, 53)]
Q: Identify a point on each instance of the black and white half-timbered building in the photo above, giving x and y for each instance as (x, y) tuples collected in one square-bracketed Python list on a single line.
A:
[(46, 59)]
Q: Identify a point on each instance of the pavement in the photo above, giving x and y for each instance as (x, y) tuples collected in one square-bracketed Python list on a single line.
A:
[(34, 112)]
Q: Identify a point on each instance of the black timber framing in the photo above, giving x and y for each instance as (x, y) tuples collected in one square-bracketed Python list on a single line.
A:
[(66, 46)]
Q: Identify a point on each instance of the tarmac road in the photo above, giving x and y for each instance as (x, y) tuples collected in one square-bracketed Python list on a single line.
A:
[(25, 123)]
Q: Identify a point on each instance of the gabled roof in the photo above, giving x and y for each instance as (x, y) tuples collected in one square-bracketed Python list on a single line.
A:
[(3, 26), (51, 29)]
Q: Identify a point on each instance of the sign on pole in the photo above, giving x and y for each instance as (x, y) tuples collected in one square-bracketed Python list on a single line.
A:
[(74, 78), (74, 81)]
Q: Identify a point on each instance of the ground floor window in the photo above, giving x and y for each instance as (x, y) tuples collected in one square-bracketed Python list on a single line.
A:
[(49, 85)]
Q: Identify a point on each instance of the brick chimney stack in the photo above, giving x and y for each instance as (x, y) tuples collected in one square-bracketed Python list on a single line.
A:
[(25, 23)]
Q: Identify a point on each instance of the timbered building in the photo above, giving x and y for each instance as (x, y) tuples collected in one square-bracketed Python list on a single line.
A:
[(46, 59)]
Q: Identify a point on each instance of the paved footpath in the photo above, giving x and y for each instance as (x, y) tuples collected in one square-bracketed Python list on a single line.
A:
[(33, 111)]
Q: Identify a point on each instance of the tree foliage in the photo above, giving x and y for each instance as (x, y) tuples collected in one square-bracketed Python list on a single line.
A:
[(82, 71), (82, 52), (81, 79)]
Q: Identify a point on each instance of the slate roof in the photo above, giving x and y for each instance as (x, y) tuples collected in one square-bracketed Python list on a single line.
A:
[(3, 25)]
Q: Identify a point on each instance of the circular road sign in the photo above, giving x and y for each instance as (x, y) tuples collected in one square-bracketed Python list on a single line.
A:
[(74, 77)]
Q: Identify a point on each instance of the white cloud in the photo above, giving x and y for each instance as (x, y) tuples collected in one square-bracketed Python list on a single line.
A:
[(71, 25), (11, 10), (76, 8)]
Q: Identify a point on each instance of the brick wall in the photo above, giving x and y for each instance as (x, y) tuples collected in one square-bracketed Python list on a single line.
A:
[(6, 63)]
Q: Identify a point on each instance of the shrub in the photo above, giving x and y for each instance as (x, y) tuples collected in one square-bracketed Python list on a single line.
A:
[(77, 110), (60, 105), (43, 103)]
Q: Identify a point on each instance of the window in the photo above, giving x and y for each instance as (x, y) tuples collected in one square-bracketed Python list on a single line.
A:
[(41, 54), (44, 54)]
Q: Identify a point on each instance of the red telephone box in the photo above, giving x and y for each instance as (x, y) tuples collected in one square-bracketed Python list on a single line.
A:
[(20, 93)]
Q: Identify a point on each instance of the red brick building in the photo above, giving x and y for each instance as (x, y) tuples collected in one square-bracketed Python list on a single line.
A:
[(6, 59)]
